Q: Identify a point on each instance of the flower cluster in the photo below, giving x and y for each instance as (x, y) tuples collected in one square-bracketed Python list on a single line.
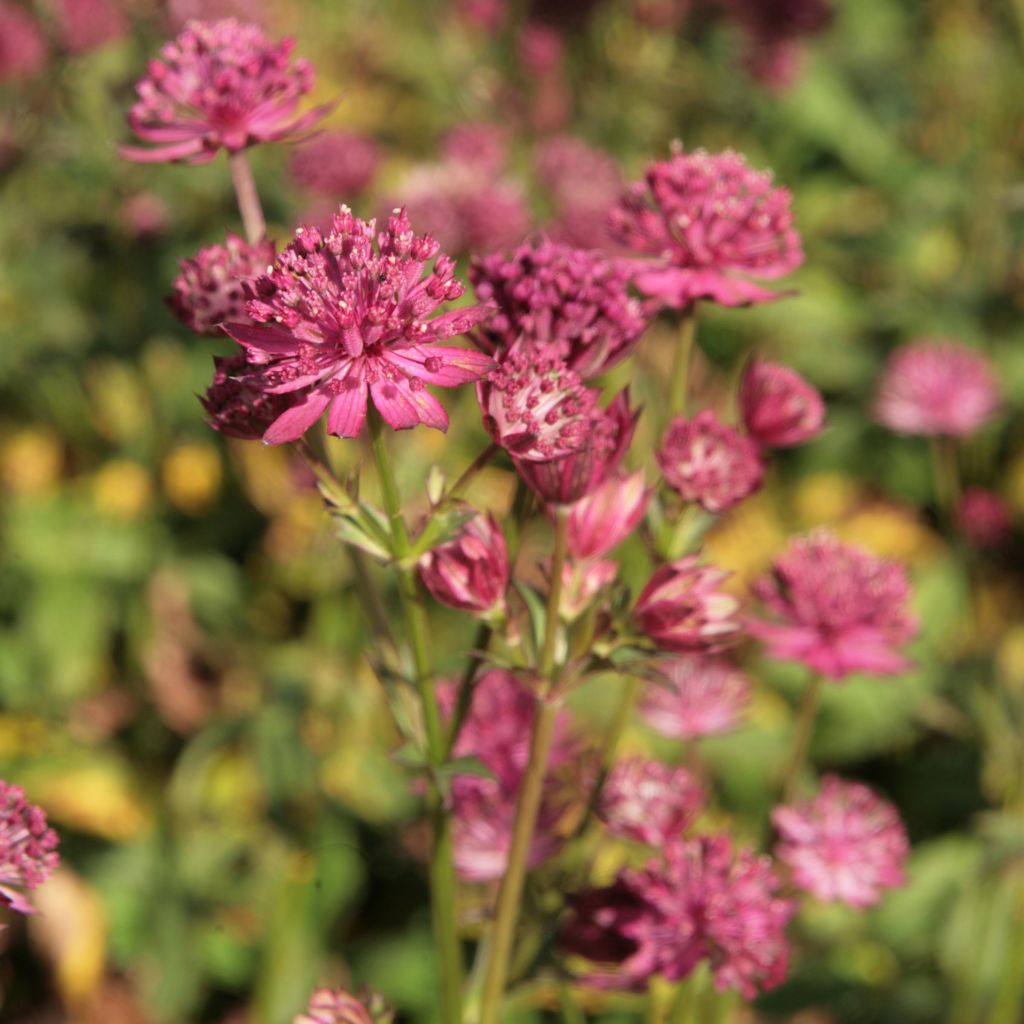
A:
[(336, 1006), (28, 848), (237, 409), (708, 223), (344, 318), (470, 571), (649, 802), (336, 163), (219, 85), (697, 695)]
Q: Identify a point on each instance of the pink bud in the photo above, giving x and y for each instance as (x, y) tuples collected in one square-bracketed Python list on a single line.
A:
[(779, 408), (604, 518), (469, 572), (581, 583), (682, 608), (649, 802), (985, 518)]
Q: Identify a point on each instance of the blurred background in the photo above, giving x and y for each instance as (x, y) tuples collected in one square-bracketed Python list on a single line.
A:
[(182, 680)]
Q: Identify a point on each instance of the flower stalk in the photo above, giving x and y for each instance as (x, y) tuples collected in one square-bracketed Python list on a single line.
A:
[(682, 357), (802, 739), (248, 197)]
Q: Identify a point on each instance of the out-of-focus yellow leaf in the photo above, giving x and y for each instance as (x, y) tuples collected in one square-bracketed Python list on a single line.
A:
[(96, 797), (191, 476), (30, 460), (745, 540), (824, 498), (892, 532)]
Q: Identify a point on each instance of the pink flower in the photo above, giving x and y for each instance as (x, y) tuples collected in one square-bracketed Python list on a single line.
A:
[(487, 15), (845, 845), (842, 609), (581, 583), (336, 1006), (210, 290), (936, 387), (779, 408), (28, 848), (235, 408), (345, 321), (535, 407), (683, 609), (708, 223), (605, 517), (476, 144), (701, 696), (649, 802), (219, 84), (567, 480), (22, 46), (701, 902), (570, 300), (470, 571), (144, 216), (337, 164), (709, 463), (497, 732), (82, 25), (984, 517), (541, 49)]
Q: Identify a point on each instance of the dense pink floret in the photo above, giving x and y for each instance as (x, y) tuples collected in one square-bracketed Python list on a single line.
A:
[(470, 571), (28, 848), (649, 801), (779, 408), (338, 164)]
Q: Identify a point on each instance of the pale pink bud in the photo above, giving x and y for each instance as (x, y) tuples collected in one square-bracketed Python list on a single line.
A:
[(582, 582), (607, 516), (779, 408), (469, 572), (683, 609), (336, 1006)]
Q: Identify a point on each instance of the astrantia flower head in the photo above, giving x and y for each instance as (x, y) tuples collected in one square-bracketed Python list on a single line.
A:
[(210, 289), (336, 1006), (470, 571), (606, 516), (710, 463), (649, 801), (534, 406), (779, 408), (573, 301), (842, 609), (936, 387), (235, 407), (476, 144), (844, 845), (701, 695), (336, 163), (701, 902), (684, 609), (219, 85), (28, 848), (82, 25), (567, 480), (22, 45), (985, 517), (706, 224), (344, 318)]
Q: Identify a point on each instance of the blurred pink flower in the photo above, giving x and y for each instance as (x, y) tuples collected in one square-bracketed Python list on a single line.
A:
[(707, 223), (700, 696), (535, 407), (683, 609), (541, 49), (649, 802), (235, 408), (496, 731), (344, 317), (700, 902), (605, 517), (985, 517), (470, 571), (775, 31), (709, 463), (842, 609), (844, 845), (336, 1006), (567, 480), (486, 15), (83, 25), (936, 387), (476, 144), (219, 84), (28, 848), (210, 289), (779, 408), (23, 49), (180, 12), (574, 301), (145, 215), (338, 164)]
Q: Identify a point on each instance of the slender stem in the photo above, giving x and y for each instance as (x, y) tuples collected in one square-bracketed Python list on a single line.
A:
[(946, 475), (442, 870), (802, 740), (248, 198), (682, 357), (464, 699), (687, 1000), (1009, 996), (458, 488), (511, 890)]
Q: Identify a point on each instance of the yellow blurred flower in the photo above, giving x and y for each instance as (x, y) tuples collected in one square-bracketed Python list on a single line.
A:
[(745, 540), (890, 531), (30, 460), (122, 489), (1010, 659), (21, 735), (191, 476), (824, 498), (96, 798)]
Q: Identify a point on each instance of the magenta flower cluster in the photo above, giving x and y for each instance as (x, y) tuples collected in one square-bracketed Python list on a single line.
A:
[(28, 848)]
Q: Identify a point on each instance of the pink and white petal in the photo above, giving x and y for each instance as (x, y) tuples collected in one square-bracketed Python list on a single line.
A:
[(176, 151), (457, 365), (294, 422), (403, 408), (728, 290), (348, 412)]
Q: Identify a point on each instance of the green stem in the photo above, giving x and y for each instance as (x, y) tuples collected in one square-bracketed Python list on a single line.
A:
[(946, 475), (802, 740), (681, 360), (467, 684), (457, 489), (248, 198), (1009, 997), (442, 869), (510, 892)]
